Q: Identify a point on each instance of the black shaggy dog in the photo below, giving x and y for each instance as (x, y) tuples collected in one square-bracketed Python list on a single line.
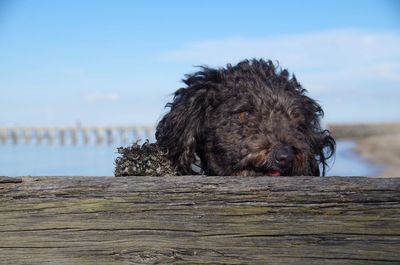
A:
[(247, 119)]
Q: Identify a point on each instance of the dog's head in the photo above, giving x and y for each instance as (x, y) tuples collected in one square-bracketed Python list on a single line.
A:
[(248, 119)]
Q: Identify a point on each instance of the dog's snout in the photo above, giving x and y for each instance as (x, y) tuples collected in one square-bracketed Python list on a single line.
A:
[(284, 156)]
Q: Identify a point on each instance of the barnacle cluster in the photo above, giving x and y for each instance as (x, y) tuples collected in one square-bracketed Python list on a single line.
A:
[(143, 160)]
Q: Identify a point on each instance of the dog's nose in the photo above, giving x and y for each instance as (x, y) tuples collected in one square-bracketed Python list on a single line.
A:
[(284, 156)]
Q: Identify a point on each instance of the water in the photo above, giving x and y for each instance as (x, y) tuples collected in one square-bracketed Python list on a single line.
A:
[(35, 160), (348, 163), (98, 160)]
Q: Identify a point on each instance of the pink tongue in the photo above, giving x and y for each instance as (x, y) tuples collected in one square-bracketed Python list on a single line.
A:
[(274, 173)]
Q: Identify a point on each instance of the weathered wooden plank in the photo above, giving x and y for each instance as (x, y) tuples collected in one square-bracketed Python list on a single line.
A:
[(200, 220)]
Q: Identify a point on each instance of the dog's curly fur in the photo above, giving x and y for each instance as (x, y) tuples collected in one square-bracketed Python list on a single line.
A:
[(143, 160), (247, 119)]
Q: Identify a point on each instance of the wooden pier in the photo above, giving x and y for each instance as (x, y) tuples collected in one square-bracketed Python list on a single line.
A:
[(76, 135), (199, 220)]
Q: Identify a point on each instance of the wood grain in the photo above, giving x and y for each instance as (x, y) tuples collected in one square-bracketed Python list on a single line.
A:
[(199, 220)]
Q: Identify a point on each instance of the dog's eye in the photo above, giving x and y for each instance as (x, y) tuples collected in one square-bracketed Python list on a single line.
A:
[(244, 116)]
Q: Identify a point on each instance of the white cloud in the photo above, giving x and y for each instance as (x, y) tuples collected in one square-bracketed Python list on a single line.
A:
[(355, 74), (102, 97), (389, 70), (318, 58)]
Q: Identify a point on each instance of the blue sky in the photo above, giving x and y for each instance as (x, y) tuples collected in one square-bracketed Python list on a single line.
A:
[(117, 62)]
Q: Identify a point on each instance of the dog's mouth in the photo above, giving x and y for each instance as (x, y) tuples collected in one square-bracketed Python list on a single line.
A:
[(274, 173), (273, 163)]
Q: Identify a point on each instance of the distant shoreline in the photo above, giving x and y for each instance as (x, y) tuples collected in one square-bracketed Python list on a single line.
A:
[(378, 143)]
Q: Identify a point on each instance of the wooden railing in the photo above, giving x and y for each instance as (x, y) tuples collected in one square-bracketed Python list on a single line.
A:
[(199, 220)]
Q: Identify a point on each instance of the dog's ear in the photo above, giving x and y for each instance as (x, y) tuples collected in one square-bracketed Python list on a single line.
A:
[(180, 130), (322, 142), (327, 147), (324, 148)]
